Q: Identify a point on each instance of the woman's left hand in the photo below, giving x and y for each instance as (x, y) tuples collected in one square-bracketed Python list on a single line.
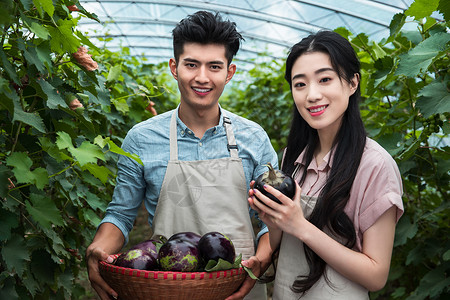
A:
[(287, 216)]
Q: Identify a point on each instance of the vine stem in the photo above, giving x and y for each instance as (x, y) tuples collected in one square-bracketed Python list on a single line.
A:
[(63, 170), (16, 137), (53, 175)]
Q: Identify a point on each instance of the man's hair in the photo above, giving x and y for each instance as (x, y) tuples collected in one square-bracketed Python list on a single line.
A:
[(206, 28)]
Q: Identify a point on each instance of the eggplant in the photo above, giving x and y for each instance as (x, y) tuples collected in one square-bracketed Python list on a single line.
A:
[(278, 180), (214, 245)]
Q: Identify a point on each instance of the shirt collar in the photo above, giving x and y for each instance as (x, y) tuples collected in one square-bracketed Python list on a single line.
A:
[(183, 129), (328, 159)]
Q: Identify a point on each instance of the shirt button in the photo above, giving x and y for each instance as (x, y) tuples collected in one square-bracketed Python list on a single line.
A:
[(190, 132), (182, 132), (200, 144)]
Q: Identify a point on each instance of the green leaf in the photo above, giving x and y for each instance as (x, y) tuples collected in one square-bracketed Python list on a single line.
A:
[(121, 105), (434, 282), (6, 64), (43, 210), (44, 54), (9, 221), (15, 254), (94, 201), (31, 56), (53, 98), (213, 266), (87, 153), (408, 152), (116, 149), (378, 51), (57, 244), (396, 24), (100, 172), (4, 182), (64, 141), (46, 5), (32, 119), (419, 58), (444, 8), (63, 39), (22, 164), (420, 9), (114, 73), (405, 230), (50, 148), (39, 30), (434, 98), (446, 255), (90, 216), (250, 273), (43, 268), (8, 290)]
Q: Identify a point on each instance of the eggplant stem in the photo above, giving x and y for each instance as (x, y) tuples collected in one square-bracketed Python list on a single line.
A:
[(272, 174)]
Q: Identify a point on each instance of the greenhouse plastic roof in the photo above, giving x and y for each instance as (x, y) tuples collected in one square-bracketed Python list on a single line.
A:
[(267, 26)]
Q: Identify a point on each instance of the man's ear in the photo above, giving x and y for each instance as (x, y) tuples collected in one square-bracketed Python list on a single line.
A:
[(173, 68), (231, 71)]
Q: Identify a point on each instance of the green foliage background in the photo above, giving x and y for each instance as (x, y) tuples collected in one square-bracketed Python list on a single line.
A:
[(58, 165)]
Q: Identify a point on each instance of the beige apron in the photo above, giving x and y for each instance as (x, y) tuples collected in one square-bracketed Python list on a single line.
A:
[(292, 262), (207, 195)]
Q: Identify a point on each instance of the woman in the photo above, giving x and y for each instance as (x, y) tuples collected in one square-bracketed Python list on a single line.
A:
[(335, 237)]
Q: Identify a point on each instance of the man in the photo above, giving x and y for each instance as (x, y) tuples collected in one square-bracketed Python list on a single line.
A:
[(198, 159)]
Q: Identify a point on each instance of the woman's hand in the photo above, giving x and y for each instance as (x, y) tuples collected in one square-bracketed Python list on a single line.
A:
[(254, 264), (287, 216)]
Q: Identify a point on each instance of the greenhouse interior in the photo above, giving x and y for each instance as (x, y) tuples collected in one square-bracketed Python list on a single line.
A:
[(312, 164)]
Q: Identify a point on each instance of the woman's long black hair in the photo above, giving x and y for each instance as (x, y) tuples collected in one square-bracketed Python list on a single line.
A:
[(349, 146)]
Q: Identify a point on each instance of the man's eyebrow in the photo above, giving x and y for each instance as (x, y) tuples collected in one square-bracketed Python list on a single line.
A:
[(214, 62), (300, 75)]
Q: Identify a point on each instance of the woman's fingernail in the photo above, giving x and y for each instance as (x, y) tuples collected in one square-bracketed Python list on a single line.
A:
[(109, 260)]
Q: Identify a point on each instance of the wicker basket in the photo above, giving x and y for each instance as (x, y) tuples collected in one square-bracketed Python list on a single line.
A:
[(138, 284)]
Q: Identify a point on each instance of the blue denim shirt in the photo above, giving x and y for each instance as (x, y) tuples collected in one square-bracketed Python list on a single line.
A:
[(150, 140)]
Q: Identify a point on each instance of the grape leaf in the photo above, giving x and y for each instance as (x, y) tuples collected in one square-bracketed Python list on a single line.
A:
[(22, 164), (434, 98), (100, 172), (43, 210), (99, 140), (419, 58), (422, 8), (9, 221), (15, 254), (53, 98), (87, 153), (114, 73)]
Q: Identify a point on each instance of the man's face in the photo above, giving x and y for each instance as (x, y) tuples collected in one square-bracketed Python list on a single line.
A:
[(202, 74)]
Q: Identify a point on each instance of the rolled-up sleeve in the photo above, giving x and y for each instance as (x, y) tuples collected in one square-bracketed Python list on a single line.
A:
[(129, 191)]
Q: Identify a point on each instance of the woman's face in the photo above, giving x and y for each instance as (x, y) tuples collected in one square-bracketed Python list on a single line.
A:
[(320, 96)]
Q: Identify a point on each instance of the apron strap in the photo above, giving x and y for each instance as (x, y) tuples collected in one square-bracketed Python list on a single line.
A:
[(231, 141), (173, 137)]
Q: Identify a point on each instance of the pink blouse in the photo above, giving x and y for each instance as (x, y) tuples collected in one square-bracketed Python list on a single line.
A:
[(377, 186)]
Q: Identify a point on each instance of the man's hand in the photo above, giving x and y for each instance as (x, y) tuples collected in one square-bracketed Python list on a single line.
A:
[(93, 256), (108, 239)]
